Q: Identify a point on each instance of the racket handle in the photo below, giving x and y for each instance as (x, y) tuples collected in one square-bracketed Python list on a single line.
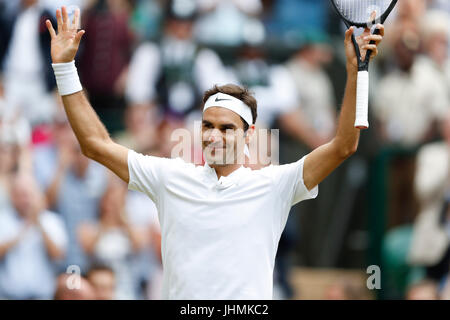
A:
[(362, 100)]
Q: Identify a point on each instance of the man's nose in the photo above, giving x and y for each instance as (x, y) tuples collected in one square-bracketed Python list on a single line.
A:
[(215, 136)]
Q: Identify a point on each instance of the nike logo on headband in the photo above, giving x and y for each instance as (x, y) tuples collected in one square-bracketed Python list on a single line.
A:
[(217, 99)]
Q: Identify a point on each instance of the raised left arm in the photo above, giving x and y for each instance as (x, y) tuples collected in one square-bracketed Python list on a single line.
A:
[(323, 160)]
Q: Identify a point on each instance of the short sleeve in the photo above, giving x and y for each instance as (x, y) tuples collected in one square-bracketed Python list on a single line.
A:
[(290, 185), (146, 173)]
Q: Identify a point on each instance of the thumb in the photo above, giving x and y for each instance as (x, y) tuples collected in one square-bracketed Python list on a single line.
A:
[(78, 37), (348, 34)]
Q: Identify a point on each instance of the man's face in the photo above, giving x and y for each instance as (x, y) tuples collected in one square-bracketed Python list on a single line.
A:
[(222, 137), (180, 29), (23, 196)]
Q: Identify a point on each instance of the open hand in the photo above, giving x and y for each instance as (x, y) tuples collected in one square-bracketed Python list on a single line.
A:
[(64, 45)]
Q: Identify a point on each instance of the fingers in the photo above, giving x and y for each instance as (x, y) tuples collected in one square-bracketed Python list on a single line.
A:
[(65, 19), (373, 50), (78, 37), (381, 28), (349, 33), (50, 28), (376, 38), (372, 47), (59, 20)]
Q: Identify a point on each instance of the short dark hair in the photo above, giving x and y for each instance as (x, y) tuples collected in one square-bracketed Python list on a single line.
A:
[(238, 92)]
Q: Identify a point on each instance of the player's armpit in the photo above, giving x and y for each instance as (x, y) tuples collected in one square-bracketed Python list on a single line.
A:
[(321, 162)]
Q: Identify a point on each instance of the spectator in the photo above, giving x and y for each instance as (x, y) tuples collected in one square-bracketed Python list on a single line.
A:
[(140, 133), (7, 164), (316, 109), (146, 19), (314, 87), (143, 216), (45, 152), (443, 5), (419, 102), (423, 290), (445, 292), (228, 22), (411, 10), (103, 280), (435, 27), (73, 187), (292, 20), (173, 73), (32, 239), (277, 97), (346, 289), (25, 62), (431, 236), (103, 61), (64, 292), (14, 154), (113, 241)]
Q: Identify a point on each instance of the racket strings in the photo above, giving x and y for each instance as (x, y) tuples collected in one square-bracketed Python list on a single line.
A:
[(360, 11)]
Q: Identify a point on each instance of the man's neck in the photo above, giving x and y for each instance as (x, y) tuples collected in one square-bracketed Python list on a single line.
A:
[(223, 171)]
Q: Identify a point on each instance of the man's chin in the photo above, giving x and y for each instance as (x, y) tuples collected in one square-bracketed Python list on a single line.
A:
[(220, 162), (215, 161), (218, 157)]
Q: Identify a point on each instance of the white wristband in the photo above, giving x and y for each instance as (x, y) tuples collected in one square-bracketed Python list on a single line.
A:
[(67, 78)]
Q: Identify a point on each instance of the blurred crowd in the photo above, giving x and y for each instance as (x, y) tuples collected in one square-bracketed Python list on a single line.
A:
[(144, 65)]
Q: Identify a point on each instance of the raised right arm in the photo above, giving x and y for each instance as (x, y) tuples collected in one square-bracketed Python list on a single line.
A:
[(94, 140), (92, 135)]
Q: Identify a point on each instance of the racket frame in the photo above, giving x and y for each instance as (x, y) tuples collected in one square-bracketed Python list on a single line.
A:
[(361, 119)]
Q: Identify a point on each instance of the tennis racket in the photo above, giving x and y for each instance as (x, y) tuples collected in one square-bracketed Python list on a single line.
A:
[(363, 14)]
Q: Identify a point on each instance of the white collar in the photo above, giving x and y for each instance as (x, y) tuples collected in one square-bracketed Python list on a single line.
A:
[(224, 181)]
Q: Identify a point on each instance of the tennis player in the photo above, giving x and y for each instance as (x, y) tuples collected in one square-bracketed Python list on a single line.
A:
[(220, 222)]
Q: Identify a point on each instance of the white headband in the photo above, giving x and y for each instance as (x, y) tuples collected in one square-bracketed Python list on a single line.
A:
[(231, 103)]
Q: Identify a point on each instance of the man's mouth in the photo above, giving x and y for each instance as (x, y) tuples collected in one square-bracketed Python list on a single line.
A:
[(214, 147)]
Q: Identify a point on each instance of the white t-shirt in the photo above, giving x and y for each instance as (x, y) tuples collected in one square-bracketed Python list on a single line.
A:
[(219, 237)]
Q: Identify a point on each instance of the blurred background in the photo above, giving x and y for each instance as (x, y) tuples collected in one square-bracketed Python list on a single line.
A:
[(145, 64)]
